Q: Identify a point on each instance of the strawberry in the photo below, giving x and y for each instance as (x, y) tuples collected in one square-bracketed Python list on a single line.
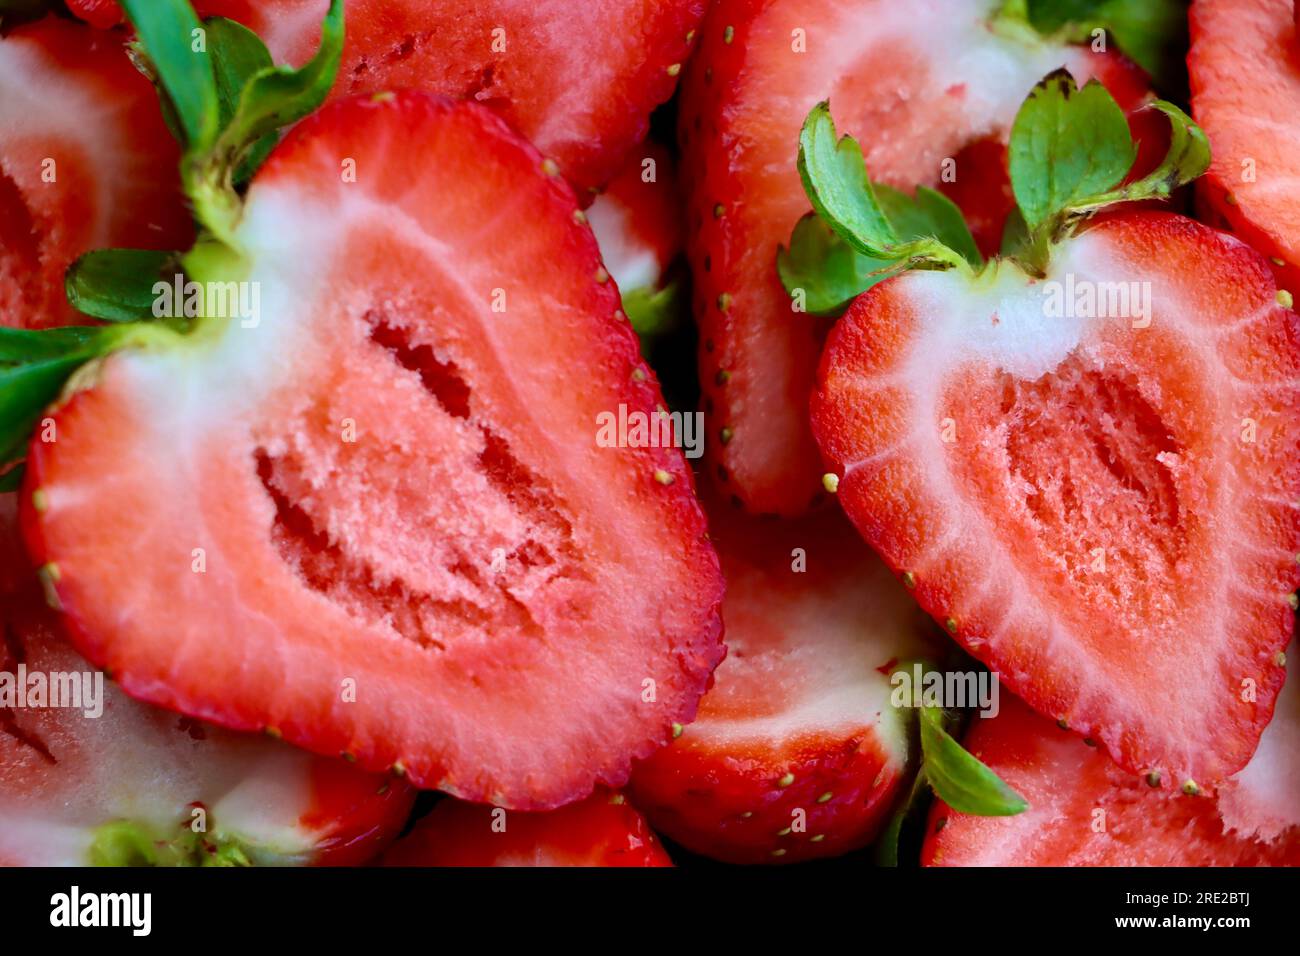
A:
[(1244, 76), (366, 517), (122, 783), (926, 83), (101, 14), (1098, 500), (797, 752), (582, 93), (602, 830), (85, 161), (1085, 811)]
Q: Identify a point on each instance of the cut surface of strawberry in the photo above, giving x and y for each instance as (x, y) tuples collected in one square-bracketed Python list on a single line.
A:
[(85, 162), (122, 783), (923, 86), (1085, 811), (797, 752), (376, 519), (579, 83), (603, 830), (1102, 509), (1244, 70), (637, 220)]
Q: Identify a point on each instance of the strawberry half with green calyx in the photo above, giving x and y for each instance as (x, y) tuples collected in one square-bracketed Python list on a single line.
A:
[(954, 84), (85, 161), (1085, 811), (797, 752), (1244, 78), (113, 782), (603, 830), (1096, 500), (390, 534)]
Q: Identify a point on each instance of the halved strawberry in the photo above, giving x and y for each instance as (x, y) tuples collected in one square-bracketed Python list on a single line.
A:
[(924, 84), (580, 87), (797, 752), (602, 830), (85, 161), (1104, 510), (1085, 811), (1244, 69), (115, 781), (372, 520)]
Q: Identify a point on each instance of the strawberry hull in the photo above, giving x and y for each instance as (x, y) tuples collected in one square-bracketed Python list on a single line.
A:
[(410, 543)]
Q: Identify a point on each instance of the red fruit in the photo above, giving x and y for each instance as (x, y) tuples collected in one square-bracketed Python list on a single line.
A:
[(1245, 80), (69, 781), (797, 752), (917, 84), (637, 220), (102, 14), (579, 83), (85, 162), (374, 522), (1102, 510), (1085, 811), (602, 830)]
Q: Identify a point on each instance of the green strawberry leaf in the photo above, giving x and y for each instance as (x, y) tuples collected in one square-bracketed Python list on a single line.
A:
[(117, 285), (959, 779), (909, 809), (823, 273), (1071, 148), (176, 43), (238, 54), (654, 312), (1066, 144)]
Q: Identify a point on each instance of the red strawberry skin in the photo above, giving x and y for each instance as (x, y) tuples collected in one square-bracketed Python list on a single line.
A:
[(601, 831), (581, 92), (85, 162), (473, 590), (1244, 78), (1085, 811), (797, 753), (744, 98), (1111, 522), (637, 219)]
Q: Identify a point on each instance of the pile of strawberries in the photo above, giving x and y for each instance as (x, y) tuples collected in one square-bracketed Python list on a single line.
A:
[(341, 497)]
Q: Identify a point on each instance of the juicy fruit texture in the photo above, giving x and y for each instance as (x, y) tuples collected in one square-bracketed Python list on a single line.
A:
[(1245, 79), (68, 781), (1253, 820), (389, 533), (85, 162), (797, 752), (579, 84), (1103, 510), (602, 830), (638, 222), (916, 84)]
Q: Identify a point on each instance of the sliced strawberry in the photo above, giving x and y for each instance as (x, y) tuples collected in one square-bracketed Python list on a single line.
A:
[(102, 14), (602, 830), (1244, 68), (375, 521), (1085, 811), (580, 87), (797, 752), (637, 220), (921, 83), (1102, 510), (85, 162), (121, 781)]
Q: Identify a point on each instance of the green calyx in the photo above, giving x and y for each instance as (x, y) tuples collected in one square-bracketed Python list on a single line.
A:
[(129, 843), (225, 101), (1070, 152)]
